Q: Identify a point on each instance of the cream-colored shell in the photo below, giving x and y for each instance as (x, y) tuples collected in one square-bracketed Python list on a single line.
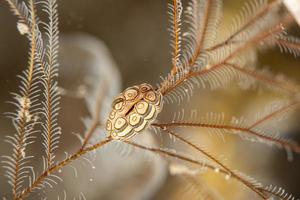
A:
[(133, 110)]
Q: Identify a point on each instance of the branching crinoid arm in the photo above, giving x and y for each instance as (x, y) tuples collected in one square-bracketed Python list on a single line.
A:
[(25, 24), (263, 192), (41, 180), (50, 129), (253, 129), (25, 117), (47, 58), (278, 193), (240, 177), (252, 14), (274, 82), (288, 44), (245, 180), (175, 12), (96, 116), (22, 12), (204, 18), (27, 102), (222, 62), (48, 177)]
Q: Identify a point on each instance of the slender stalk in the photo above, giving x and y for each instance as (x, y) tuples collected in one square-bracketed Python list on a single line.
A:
[(227, 169), (199, 163), (60, 165), (254, 41), (283, 143), (203, 33), (96, 118), (176, 31), (249, 23), (285, 86), (274, 114), (22, 122)]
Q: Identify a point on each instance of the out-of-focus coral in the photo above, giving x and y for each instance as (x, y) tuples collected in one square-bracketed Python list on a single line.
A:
[(88, 72)]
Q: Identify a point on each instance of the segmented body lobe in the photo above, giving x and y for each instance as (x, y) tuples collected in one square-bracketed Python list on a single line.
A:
[(133, 110)]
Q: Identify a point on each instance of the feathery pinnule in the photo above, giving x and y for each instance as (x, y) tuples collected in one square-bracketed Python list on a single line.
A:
[(25, 119), (40, 76), (51, 129), (201, 57)]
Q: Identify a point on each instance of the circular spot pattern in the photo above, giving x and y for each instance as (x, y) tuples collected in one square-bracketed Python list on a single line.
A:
[(151, 96), (130, 94), (145, 87), (142, 107), (108, 125), (118, 104), (120, 123), (134, 119), (112, 114), (133, 110)]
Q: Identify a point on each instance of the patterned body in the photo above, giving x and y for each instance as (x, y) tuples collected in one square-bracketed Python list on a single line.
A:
[(133, 110)]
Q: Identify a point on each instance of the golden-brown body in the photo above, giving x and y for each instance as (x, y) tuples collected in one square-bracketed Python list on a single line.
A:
[(133, 110)]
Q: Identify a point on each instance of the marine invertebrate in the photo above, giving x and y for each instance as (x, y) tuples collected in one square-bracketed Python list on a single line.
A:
[(200, 58)]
